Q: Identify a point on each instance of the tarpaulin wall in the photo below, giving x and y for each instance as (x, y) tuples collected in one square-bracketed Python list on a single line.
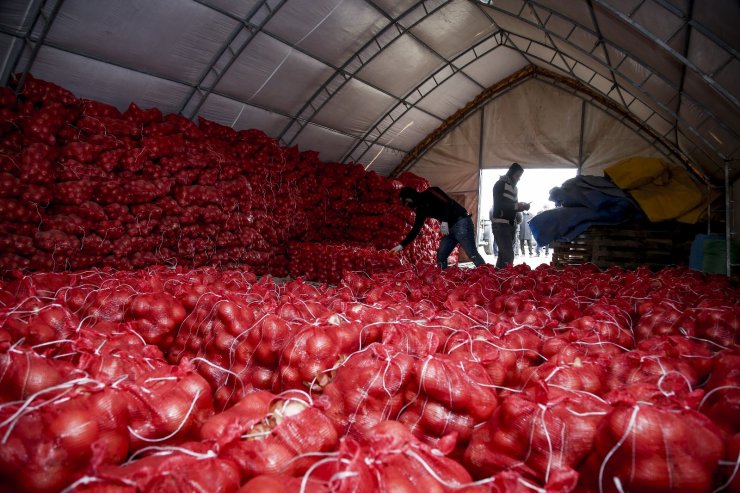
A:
[(535, 124)]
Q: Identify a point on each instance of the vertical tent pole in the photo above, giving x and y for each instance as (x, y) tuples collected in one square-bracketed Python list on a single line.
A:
[(728, 218), (580, 143), (480, 140), (480, 170), (709, 208)]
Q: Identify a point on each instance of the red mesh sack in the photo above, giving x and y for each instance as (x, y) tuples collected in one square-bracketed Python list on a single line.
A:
[(565, 348), (368, 388), (261, 347), (229, 425), (537, 434), (285, 440), (642, 448), (718, 321), (662, 319), (41, 323), (641, 366), (673, 390), (213, 315), (447, 396), (106, 303), (412, 339), (525, 345), (582, 374), (731, 465), (401, 463), (156, 316), (167, 406), (601, 328), (24, 373), (223, 330), (481, 346), (188, 467), (312, 352), (390, 459), (722, 400), (698, 354), (50, 439), (282, 483), (110, 351)]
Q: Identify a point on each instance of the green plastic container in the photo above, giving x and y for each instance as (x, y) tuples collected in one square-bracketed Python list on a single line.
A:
[(715, 256)]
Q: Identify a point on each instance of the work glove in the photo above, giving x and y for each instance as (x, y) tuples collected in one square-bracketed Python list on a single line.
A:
[(444, 228), (397, 248)]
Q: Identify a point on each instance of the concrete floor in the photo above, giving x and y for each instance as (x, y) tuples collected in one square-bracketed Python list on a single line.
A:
[(532, 261)]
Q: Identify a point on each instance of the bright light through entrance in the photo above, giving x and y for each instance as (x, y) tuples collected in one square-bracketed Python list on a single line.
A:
[(534, 186)]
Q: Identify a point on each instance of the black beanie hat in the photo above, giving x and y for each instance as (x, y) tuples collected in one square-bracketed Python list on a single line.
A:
[(514, 168)]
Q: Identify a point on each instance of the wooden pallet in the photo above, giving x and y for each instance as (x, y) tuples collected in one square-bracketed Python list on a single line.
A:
[(627, 247)]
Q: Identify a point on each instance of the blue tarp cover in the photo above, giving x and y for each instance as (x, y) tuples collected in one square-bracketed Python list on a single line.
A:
[(581, 202)]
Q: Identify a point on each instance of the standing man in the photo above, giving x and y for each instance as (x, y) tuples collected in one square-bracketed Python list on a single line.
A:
[(455, 223), (505, 207), (525, 233)]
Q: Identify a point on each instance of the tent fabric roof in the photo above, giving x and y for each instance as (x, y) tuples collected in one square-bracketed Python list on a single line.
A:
[(367, 80)]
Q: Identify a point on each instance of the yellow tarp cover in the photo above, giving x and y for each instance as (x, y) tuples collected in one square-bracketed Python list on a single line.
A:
[(663, 190)]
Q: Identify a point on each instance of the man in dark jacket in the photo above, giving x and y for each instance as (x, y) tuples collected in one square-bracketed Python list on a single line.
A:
[(503, 217), (455, 223)]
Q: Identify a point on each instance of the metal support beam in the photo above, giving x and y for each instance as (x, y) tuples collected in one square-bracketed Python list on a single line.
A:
[(668, 149), (552, 44), (701, 28), (228, 54), (56, 5), (423, 43), (404, 107), (258, 28), (577, 88), (606, 52), (461, 115), (682, 59), (662, 106), (349, 69), (20, 39), (637, 86), (682, 82)]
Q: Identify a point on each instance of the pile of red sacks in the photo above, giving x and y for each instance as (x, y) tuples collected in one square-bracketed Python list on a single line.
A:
[(85, 185), (475, 380)]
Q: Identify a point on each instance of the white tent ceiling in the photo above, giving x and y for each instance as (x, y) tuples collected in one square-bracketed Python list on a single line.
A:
[(368, 80)]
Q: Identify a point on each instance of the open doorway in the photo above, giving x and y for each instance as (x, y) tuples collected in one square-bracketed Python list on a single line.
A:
[(534, 187)]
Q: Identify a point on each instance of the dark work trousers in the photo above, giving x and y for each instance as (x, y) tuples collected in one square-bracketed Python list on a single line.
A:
[(461, 232), (503, 234)]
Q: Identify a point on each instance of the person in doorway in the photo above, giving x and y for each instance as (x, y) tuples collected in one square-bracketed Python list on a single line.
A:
[(525, 234), (546, 248), (456, 224), (505, 207)]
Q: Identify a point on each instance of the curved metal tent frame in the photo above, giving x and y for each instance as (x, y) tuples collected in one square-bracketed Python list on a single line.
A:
[(543, 32), (666, 148), (369, 80)]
